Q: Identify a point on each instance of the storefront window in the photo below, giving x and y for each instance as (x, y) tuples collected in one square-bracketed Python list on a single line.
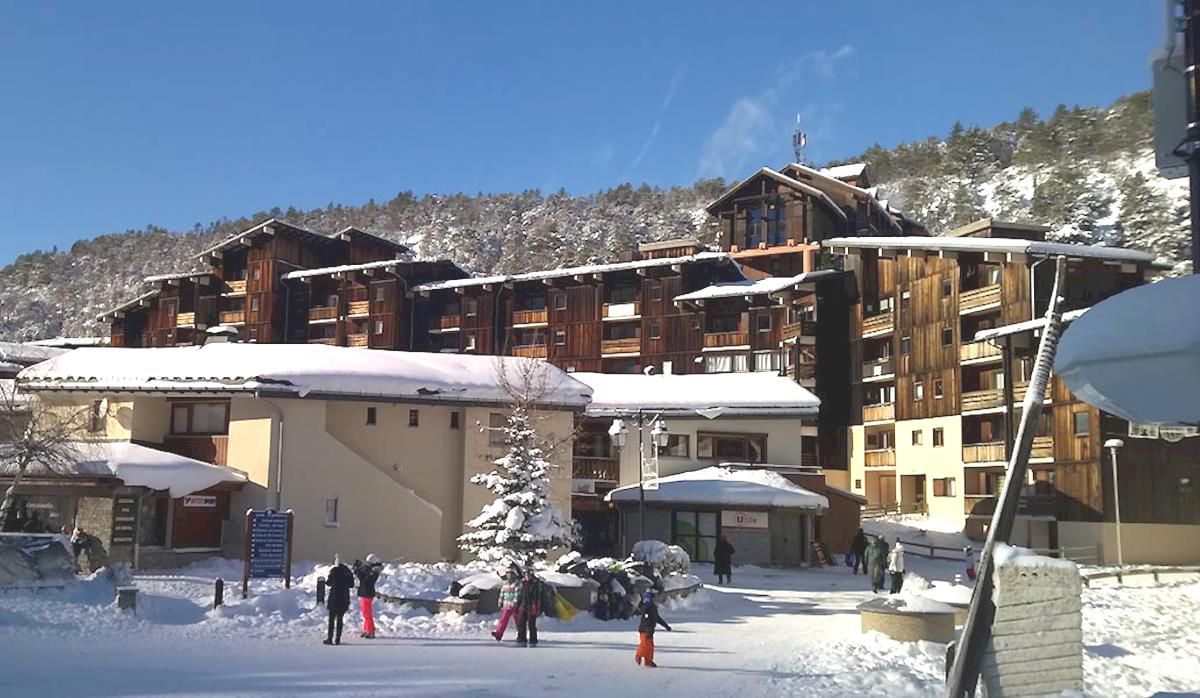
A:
[(153, 520), (696, 532)]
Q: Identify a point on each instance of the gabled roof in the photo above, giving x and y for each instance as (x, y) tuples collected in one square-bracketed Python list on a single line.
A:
[(708, 395), (785, 180), (237, 238), (176, 276), (351, 231), (843, 172), (732, 487), (754, 287), (1006, 246), (819, 176), (109, 314)]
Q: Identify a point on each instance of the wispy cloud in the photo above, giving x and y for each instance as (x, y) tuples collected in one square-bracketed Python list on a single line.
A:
[(752, 129), (666, 104)]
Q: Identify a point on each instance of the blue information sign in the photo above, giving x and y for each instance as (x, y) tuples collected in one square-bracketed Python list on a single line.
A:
[(269, 532)]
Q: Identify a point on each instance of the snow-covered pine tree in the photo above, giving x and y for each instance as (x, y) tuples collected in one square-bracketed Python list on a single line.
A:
[(521, 525)]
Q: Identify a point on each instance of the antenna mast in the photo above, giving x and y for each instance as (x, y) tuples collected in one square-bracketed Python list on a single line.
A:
[(799, 139)]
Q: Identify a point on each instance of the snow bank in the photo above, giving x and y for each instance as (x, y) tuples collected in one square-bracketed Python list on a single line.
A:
[(953, 594), (718, 485), (1004, 554), (680, 581), (665, 559), (909, 602)]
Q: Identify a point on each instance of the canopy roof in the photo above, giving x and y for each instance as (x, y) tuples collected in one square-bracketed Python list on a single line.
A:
[(705, 394), (725, 486)]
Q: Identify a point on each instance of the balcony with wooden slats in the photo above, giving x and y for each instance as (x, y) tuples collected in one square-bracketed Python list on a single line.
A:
[(529, 317), (979, 300), (357, 340), (589, 468), (1043, 447), (629, 345), (880, 324), (358, 308), (990, 452), (530, 351), (235, 287), (800, 328), (619, 311), (185, 320), (878, 369), (879, 413), (210, 449), (233, 317), (979, 351), (1019, 390), (880, 458), (446, 323), (721, 340), (982, 399), (319, 313)]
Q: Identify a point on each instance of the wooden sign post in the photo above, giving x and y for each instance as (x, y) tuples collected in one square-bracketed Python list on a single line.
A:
[(268, 547)]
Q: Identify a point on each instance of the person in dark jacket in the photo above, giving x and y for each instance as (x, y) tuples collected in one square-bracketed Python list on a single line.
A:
[(723, 561), (649, 623), (858, 548), (337, 601), (367, 574), (877, 555), (529, 604)]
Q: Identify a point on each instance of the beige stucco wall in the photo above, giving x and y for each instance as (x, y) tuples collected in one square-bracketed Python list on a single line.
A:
[(856, 452), (1153, 544), (151, 419), (933, 462), (251, 449), (75, 410)]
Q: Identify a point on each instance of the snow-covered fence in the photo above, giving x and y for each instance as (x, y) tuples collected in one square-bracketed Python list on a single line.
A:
[(1141, 576), (880, 511), (1084, 554), (934, 552)]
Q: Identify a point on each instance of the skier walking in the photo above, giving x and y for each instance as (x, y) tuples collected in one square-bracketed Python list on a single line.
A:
[(337, 601), (896, 566), (723, 561), (529, 597), (877, 555), (368, 574), (509, 593), (649, 623), (858, 548)]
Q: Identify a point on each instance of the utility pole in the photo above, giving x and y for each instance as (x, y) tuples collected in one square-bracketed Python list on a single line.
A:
[(1191, 44)]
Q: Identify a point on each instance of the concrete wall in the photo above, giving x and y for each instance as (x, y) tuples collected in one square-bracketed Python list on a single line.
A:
[(856, 468), (750, 547), (933, 462), (1151, 544)]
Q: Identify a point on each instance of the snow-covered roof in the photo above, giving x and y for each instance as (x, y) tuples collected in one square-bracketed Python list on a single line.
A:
[(706, 394), (572, 271), (857, 192), (717, 485), (236, 238), (1137, 354), (295, 370), (1026, 326), (1016, 246), (175, 276), (346, 232), (127, 305), (72, 342), (753, 287), (343, 269), (135, 465), (789, 181), (25, 354), (854, 169)]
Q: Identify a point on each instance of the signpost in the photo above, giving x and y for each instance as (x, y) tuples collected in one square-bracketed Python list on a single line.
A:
[(268, 551)]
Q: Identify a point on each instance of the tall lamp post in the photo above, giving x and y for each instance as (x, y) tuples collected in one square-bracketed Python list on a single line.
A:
[(659, 436), (1112, 445)]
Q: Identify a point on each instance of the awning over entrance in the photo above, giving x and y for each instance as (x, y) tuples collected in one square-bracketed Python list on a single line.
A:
[(726, 487)]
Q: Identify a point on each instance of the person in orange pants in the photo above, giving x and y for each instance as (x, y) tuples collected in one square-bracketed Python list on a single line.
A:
[(650, 622)]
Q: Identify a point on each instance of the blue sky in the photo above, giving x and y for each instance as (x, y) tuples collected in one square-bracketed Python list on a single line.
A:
[(118, 115)]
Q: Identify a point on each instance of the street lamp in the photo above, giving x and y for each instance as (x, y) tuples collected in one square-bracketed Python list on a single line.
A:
[(1112, 445), (619, 433)]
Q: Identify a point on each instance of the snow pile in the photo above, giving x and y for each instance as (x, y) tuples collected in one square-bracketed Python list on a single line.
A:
[(672, 582), (910, 602), (719, 485), (723, 393), (953, 594), (663, 558), (419, 581)]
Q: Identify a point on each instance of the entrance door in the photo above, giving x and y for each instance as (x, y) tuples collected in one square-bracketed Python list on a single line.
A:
[(887, 490), (787, 538)]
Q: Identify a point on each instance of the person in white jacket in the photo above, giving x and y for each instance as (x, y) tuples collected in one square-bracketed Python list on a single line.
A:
[(896, 566)]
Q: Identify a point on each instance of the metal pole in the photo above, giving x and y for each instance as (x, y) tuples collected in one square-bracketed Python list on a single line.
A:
[(1117, 507), (1191, 44), (641, 481)]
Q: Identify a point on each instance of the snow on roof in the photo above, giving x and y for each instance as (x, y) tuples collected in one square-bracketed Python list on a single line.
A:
[(174, 276), (136, 466), (789, 181), (351, 230), (706, 394), (296, 370), (572, 271), (717, 485), (341, 269), (72, 342), (752, 287), (1026, 326), (850, 171), (855, 191), (237, 237), (1137, 354), (1000, 245), (24, 354), (127, 305)]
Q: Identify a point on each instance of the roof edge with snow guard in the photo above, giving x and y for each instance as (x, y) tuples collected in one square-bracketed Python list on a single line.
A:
[(1002, 246), (756, 287)]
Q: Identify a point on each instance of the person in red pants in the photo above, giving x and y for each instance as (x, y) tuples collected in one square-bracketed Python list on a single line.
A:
[(509, 592), (646, 628), (368, 574)]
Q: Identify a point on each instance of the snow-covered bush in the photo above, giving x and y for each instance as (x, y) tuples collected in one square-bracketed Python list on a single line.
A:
[(662, 558)]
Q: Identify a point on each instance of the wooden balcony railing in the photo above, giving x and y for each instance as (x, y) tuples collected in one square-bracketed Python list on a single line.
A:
[(530, 351), (882, 457), (447, 322), (978, 350), (235, 287), (879, 413), (979, 504), (983, 453), (800, 328), (808, 459), (878, 367), (331, 341), (620, 310), (589, 468), (210, 449), (233, 317), (1043, 447), (529, 317), (185, 320), (982, 399), (1019, 390), (716, 340), (631, 345), (358, 308), (357, 340), (806, 371), (878, 324), (322, 313), (978, 298)]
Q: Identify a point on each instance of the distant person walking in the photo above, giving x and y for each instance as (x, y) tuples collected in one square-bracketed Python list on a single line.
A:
[(529, 599), (649, 623), (877, 553), (723, 561), (896, 566), (337, 601), (368, 574), (858, 548), (510, 591)]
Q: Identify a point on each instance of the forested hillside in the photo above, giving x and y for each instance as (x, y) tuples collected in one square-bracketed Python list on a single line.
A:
[(1088, 172)]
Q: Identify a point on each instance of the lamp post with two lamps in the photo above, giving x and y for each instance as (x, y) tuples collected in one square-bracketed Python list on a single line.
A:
[(659, 436)]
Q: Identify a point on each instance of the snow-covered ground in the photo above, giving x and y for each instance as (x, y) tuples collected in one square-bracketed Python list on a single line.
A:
[(770, 632)]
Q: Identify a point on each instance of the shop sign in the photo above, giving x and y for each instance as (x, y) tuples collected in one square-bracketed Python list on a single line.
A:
[(749, 520), (268, 552), (200, 501)]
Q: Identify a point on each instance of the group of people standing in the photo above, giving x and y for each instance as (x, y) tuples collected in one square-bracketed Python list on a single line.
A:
[(874, 557), (521, 597), (339, 583)]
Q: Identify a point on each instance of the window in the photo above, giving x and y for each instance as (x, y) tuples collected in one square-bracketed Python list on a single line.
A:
[(153, 519), (379, 327), (943, 487), (593, 444), (678, 446), (454, 420), (763, 323), (372, 416), (414, 418), (97, 415), (170, 307), (253, 334), (331, 512), (560, 337), (200, 418), (737, 448), (885, 304), (695, 532), (939, 437), (906, 345), (257, 273), (622, 294), (766, 361), (470, 345), (947, 336), (918, 437), (725, 363), (655, 330), (905, 300), (496, 424), (939, 389), (695, 324), (254, 304), (918, 390), (947, 288), (560, 301), (1082, 424), (380, 293), (472, 306), (656, 291)]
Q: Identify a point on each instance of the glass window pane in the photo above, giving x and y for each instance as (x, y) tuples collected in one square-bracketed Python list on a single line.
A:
[(758, 449), (708, 523), (179, 419), (704, 447), (704, 549)]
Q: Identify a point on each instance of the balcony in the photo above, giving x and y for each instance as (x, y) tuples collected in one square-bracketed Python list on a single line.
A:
[(979, 504), (322, 313), (800, 328), (723, 340), (185, 320), (879, 413), (880, 458), (233, 317), (979, 300), (806, 371), (991, 452), (1043, 447), (357, 340), (878, 369), (236, 287), (529, 317), (210, 449), (331, 341), (877, 325), (358, 308), (978, 352), (530, 351), (590, 468), (630, 345), (982, 400), (446, 323), (1019, 390), (620, 311)]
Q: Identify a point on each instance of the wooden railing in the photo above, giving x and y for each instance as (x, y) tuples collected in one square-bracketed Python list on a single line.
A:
[(530, 351), (232, 317), (875, 511), (879, 413), (978, 298), (800, 328), (878, 367), (529, 317), (589, 468), (1043, 447), (210, 449), (883, 457), (880, 323), (977, 350), (630, 345), (236, 286), (808, 459), (322, 313), (357, 340), (982, 399), (715, 340), (1019, 390), (358, 308), (447, 322), (619, 310), (806, 371), (331, 341), (983, 453), (185, 320)]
